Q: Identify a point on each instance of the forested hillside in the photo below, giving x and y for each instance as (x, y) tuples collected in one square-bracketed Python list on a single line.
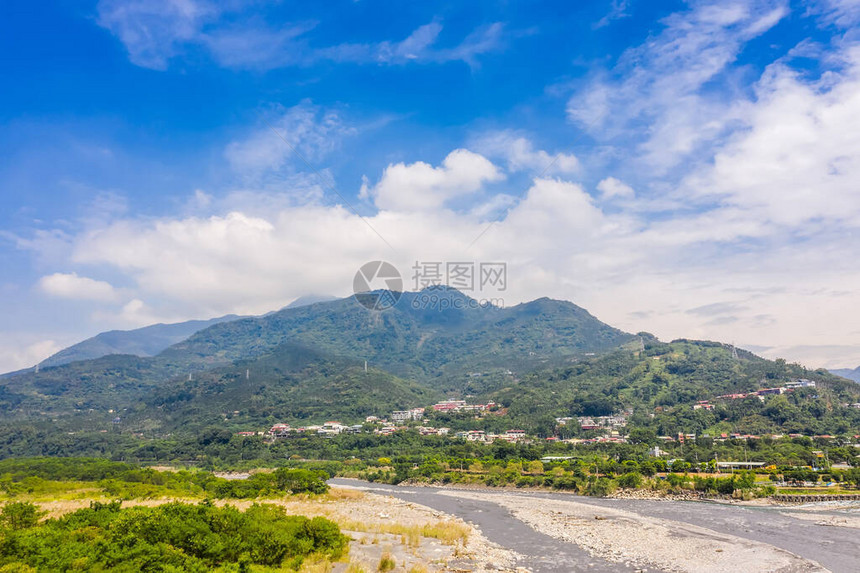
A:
[(433, 339), (337, 360)]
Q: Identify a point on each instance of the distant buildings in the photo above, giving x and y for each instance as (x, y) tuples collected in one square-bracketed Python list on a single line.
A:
[(801, 383), (461, 406), (280, 430), (613, 422), (407, 415), (332, 428), (449, 406), (760, 394)]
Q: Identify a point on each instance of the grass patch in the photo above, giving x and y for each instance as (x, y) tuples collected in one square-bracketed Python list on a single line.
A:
[(448, 532), (386, 563)]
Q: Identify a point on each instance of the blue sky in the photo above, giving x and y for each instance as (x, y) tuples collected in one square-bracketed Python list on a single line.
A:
[(686, 168)]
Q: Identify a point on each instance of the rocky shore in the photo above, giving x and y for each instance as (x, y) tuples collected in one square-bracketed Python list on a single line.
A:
[(631, 539)]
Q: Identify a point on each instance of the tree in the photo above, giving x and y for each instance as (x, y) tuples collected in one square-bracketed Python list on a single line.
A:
[(631, 480), (642, 436), (536, 467), (20, 515)]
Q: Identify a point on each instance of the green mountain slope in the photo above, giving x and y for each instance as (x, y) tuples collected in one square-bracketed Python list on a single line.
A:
[(110, 382), (437, 340), (291, 384), (422, 337), (147, 341), (662, 383)]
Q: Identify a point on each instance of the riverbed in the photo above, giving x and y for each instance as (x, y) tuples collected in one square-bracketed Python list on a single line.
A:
[(557, 532)]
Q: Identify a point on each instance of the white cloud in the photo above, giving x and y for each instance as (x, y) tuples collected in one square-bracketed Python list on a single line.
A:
[(134, 314), (612, 187), (254, 45), (311, 130), (520, 154), (419, 47), (841, 13), (618, 10), (72, 286), (17, 354), (156, 31), (667, 83), (420, 186), (412, 48), (798, 159)]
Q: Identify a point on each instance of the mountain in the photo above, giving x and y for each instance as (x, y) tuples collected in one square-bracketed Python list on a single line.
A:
[(541, 360), (848, 373), (146, 341), (436, 336), (433, 342), (149, 340), (310, 299), (662, 382), (292, 383)]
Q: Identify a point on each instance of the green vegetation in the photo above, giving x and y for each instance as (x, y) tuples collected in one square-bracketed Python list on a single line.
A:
[(663, 383), (308, 362), (170, 537), (540, 362), (116, 480), (599, 475)]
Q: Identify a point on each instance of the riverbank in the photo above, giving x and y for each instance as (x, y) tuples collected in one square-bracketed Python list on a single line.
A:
[(415, 537), (649, 534), (663, 495), (627, 537)]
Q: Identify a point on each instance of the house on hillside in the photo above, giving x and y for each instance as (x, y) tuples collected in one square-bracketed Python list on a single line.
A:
[(449, 406), (280, 430), (407, 415)]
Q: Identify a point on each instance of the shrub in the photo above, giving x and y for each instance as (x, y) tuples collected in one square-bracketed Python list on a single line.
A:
[(171, 537), (630, 480), (676, 480), (20, 515), (525, 481), (601, 487), (386, 563), (535, 467)]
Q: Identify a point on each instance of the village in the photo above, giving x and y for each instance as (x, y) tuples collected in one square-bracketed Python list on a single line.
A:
[(760, 394), (609, 429)]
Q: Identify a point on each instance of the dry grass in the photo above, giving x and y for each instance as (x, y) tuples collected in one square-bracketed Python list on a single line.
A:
[(316, 565), (336, 494), (386, 563), (60, 491), (58, 508), (447, 531)]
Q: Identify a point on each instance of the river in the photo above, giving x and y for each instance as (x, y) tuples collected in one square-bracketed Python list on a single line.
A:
[(834, 548)]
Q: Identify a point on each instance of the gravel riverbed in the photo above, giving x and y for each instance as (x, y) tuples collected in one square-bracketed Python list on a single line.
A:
[(564, 532)]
